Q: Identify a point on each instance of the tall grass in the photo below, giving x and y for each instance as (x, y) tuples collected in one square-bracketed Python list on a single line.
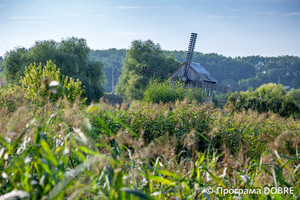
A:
[(63, 150)]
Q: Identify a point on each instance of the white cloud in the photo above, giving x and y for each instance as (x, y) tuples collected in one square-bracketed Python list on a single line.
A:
[(42, 19), (137, 7), (195, 25), (154, 7), (65, 16), (221, 17), (30, 22), (232, 9), (127, 7), (97, 16), (26, 17), (293, 14)]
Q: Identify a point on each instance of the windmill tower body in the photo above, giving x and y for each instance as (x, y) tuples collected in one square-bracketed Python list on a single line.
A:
[(191, 73), (194, 74)]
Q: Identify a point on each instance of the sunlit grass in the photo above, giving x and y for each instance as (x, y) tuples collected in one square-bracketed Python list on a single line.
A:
[(63, 150)]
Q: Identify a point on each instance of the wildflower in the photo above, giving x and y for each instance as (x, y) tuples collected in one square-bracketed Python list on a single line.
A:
[(4, 175), (66, 151), (53, 83), (5, 156)]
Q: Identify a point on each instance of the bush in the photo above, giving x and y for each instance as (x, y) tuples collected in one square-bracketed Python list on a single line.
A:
[(47, 82), (268, 97), (295, 95), (71, 55), (168, 91)]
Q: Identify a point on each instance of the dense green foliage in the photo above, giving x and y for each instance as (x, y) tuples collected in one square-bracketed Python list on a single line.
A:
[(267, 97), (71, 55), (147, 151), (250, 71), (48, 83), (38, 86), (295, 95), (54, 147), (168, 91), (133, 81)]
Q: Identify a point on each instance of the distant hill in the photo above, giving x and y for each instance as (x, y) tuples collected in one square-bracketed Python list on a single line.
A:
[(251, 71)]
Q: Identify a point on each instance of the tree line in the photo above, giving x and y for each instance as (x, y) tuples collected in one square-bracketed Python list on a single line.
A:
[(95, 68), (238, 72), (71, 55)]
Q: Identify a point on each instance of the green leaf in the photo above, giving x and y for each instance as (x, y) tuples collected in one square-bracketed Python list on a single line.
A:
[(50, 155), (167, 173), (215, 178), (137, 193), (87, 150), (161, 180)]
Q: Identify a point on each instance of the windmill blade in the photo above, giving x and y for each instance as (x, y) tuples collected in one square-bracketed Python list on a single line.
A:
[(190, 53), (155, 72), (191, 48)]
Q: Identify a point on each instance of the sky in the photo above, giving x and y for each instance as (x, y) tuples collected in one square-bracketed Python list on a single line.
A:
[(228, 27)]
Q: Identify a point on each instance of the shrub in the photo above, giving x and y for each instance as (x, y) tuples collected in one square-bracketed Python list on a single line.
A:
[(268, 97), (47, 82), (295, 95), (168, 91)]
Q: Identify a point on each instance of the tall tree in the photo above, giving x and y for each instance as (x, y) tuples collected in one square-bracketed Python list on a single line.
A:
[(70, 55), (112, 59), (133, 81)]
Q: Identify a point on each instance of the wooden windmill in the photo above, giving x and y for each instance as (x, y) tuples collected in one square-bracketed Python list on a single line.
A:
[(191, 73)]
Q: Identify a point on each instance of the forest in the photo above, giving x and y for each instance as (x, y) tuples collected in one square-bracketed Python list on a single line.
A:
[(250, 71), (60, 139)]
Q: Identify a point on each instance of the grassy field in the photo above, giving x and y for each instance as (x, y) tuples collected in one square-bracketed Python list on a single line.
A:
[(63, 150)]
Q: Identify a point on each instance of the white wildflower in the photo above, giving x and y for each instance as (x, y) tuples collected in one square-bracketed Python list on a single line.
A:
[(155, 194), (53, 83), (66, 151), (5, 156), (4, 175), (160, 164)]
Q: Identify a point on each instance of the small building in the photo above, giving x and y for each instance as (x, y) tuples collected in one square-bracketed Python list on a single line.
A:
[(194, 73)]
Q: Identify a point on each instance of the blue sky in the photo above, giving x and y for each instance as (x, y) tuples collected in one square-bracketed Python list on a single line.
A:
[(228, 27)]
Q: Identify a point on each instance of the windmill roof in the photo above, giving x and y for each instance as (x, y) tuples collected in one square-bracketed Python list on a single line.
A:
[(202, 72), (196, 73)]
